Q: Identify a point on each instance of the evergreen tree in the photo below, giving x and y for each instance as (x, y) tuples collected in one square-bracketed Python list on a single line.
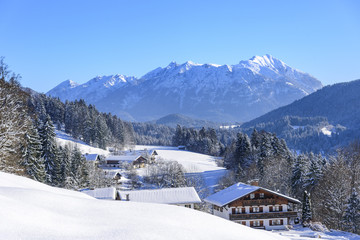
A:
[(314, 173), (31, 148), (306, 209), (265, 152), (101, 133), (79, 170), (299, 175), (351, 221), (47, 135), (242, 153), (65, 169)]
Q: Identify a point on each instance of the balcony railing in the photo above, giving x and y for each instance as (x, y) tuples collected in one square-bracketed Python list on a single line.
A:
[(248, 216), (258, 202)]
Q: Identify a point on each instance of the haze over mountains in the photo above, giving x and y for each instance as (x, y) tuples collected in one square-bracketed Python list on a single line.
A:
[(222, 93)]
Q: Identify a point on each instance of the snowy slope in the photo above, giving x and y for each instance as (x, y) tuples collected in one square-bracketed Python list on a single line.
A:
[(30, 210), (301, 233), (192, 162), (63, 139), (237, 92), (195, 164)]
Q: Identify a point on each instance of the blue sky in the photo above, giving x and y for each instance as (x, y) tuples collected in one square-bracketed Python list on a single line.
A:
[(47, 42)]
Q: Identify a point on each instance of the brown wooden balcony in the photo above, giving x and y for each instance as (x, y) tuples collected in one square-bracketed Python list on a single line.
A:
[(248, 216), (258, 202)]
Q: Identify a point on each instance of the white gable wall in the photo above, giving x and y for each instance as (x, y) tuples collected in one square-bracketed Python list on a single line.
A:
[(266, 223), (225, 212)]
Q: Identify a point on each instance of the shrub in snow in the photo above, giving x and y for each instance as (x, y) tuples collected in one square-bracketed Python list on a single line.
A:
[(318, 227)]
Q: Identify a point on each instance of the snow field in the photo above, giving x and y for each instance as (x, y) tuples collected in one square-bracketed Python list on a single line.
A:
[(63, 139), (192, 162), (30, 210), (195, 164)]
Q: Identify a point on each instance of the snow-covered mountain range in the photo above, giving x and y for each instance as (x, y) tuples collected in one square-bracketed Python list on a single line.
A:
[(220, 93)]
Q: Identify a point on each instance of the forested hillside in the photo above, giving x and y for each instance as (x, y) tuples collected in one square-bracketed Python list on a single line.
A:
[(321, 122), (27, 135)]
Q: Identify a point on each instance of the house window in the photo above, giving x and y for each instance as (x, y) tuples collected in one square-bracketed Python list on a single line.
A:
[(256, 209), (278, 208), (261, 195), (252, 195), (277, 222), (187, 205), (256, 223), (237, 210)]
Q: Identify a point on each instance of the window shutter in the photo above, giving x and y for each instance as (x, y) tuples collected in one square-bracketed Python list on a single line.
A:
[(261, 223), (261, 209), (270, 209), (280, 208), (270, 222), (251, 223), (282, 222), (233, 211), (244, 223), (251, 210), (243, 210)]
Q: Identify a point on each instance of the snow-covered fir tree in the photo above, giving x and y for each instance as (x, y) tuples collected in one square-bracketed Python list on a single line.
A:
[(299, 171), (79, 169), (32, 159), (49, 154), (351, 221), (66, 175), (306, 216), (314, 172)]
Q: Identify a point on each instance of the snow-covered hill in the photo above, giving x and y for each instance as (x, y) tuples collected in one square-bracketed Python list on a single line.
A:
[(31, 210), (63, 139), (237, 92)]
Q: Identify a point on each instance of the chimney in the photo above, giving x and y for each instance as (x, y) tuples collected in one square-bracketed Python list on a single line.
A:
[(127, 197), (254, 182)]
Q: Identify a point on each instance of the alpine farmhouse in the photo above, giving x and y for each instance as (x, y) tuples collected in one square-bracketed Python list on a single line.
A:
[(254, 206)]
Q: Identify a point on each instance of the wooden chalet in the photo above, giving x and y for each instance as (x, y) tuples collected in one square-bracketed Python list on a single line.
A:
[(253, 206), (152, 154), (137, 161), (92, 158)]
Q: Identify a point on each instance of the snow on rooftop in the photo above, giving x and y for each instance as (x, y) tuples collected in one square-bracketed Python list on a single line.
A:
[(230, 194), (237, 191), (165, 195), (102, 193), (125, 158), (91, 157)]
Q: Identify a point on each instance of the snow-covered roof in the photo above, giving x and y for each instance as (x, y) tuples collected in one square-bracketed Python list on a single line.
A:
[(102, 193), (124, 158), (91, 157), (165, 195), (237, 191)]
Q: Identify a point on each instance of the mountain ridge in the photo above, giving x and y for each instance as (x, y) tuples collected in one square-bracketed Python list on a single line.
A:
[(212, 92)]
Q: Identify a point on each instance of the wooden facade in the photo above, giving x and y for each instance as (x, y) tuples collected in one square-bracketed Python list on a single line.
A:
[(255, 207), (267, 199)]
